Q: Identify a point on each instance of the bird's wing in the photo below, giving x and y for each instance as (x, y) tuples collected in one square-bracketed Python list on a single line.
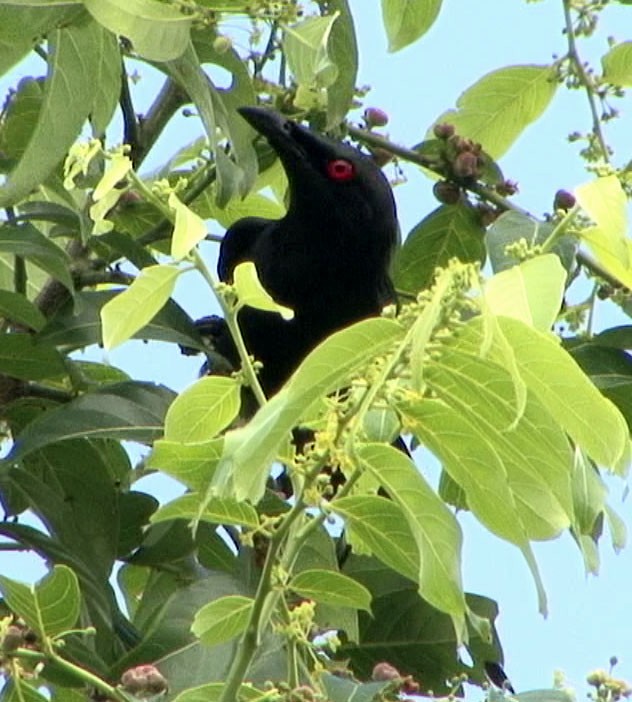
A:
[(239, 243)]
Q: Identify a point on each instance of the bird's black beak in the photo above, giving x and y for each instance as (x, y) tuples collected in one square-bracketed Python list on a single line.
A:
[(267, 122)]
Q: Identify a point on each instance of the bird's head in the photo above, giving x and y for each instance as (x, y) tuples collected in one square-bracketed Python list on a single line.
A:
[(328, 179)]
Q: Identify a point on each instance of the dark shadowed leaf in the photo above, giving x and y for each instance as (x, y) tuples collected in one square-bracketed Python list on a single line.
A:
[(69, 96), (133, 411), (451, 231)]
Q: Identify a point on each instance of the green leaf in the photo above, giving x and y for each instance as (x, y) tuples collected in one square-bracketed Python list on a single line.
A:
[(250, 451), (136, 306), (27, 241), (16, 689), (605, 202), (591, 420), (22, 357), (69, 96), (329, 587), (107, 80), (132, 411), (222, 619), (617, 64), (305, 48), (193, 506), (343, 51), (253, 205), (191, 464), (451, 231), (19, 310), (20, 115), (212, 692), (49, 607), (382, 528), (214, 108), (158, 32), (495, 110), (79, 325), (515, 228), (434, 528), (188, 231), (203, 410), (610, 370), (251, 293), (531, 292), (407, 20), (116, 170)]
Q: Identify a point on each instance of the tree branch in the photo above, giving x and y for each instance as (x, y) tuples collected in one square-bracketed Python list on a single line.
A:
[(485, 193)]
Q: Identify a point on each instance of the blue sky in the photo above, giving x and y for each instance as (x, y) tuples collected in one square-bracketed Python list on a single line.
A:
[(589, 618)]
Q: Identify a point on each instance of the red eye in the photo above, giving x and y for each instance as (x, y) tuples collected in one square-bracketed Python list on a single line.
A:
[(340, 170)]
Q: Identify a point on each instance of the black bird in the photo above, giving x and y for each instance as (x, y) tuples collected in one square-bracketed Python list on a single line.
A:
[(327, 259)]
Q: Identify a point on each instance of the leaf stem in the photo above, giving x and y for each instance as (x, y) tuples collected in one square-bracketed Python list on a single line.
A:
[(90, 679), (259, 615), (585, 80)]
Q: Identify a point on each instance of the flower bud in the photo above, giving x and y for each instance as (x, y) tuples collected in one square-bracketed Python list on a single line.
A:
[(443, 131), (375, 117), (385, 671), (563, 200)]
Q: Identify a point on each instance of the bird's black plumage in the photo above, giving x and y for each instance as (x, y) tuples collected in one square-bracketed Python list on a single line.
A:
[(327, 259)]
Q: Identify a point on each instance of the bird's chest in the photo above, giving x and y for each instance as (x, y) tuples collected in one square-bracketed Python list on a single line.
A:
[(307, 276)]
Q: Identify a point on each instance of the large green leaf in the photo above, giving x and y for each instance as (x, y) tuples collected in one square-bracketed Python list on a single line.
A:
[(78, 324), (343, 51), (19, 310), (136, 306), (133, 411), (49, 607), (407, 20), (204, 409), (496, 109), (215, 109), (22, 357), (531, 292), (158, 32), (605, 202), (191, 464), (450, 231), (380, 525), (305, 46), (194, 507), (410, 634), (513, 228), (250, 451), (591, 420), (434, 529), (329, 587), (617, 64), (223, 619), (69, 97), (29, 243)]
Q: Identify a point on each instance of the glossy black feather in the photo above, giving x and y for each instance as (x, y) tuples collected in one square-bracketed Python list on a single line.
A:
[(327, 259)]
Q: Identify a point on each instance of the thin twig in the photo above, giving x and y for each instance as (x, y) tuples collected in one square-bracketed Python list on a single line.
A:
[(585, 79)]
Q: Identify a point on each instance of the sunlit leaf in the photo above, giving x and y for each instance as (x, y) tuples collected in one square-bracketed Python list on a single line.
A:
[(617, 64), (158, 32), (136, 306), (222, 619), (188, 231), (407, 20), (531, 292), (329, 587), (496, 109), (50, 606), (251, 293)]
